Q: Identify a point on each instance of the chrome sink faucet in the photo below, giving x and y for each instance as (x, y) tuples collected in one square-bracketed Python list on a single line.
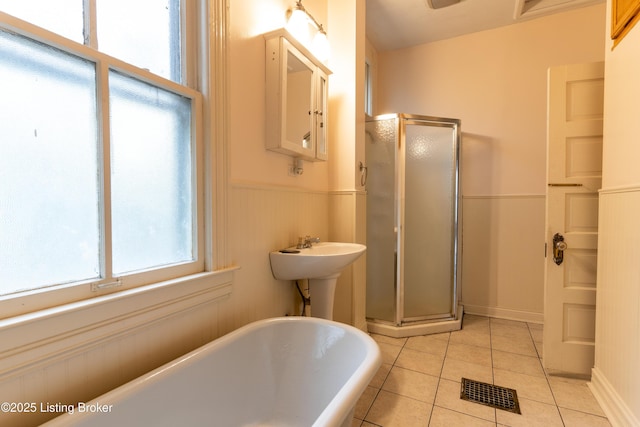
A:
[(307, 242)]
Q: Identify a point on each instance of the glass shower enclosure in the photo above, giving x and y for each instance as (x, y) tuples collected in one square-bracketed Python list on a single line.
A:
[(413, 212)]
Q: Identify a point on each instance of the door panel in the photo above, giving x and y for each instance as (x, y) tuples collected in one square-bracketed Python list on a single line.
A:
[(580, 323), (580, 269), (574, 145), (585, 156), (581, 212)]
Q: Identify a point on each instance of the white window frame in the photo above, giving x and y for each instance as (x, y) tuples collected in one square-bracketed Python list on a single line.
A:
[(210, 151), (368, 88)]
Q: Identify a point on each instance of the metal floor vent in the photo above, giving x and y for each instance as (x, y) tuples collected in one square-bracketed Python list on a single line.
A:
[(490, 395)]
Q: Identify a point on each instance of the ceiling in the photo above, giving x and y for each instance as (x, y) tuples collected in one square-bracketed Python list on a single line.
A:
[(395, 24)]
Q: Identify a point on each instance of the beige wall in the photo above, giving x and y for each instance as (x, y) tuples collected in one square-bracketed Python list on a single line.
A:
[(615, 376), (496, 82), (346, 144), (503, 155), (268, 208), (72, 354), (249, 161)]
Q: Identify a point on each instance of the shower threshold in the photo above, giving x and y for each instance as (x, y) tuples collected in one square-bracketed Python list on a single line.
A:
[(416, 328)]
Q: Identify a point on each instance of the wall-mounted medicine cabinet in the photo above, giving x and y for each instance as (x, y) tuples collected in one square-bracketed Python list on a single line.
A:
[(296, 98)]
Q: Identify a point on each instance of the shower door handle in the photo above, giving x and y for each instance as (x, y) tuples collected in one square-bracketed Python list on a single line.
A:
[(559, 246)]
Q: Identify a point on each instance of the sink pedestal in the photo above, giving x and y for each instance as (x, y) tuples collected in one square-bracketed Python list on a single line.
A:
[(322, 292), (321, 265)]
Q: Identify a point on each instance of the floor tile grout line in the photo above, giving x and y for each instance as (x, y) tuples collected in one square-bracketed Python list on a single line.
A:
[(546, 376), (364, 418), (440, 377), (534, 343), (438, 388), (377, 393), (493, 375), (435, 396), (553, 394)]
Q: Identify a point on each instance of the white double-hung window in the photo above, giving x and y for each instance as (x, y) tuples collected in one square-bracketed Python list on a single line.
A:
[(101, 173)]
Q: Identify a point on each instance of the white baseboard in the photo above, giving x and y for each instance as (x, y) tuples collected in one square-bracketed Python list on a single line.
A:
[(614, 407), (504, 313)]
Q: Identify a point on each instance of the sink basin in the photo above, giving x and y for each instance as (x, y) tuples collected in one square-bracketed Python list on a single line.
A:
[(323, 260), (321, 265)]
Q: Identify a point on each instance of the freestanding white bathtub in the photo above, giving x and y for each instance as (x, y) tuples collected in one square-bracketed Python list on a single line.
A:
[(288, 371)]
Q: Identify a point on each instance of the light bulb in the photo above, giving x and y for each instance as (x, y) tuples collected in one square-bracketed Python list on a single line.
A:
[(321, 46), (298, 26)]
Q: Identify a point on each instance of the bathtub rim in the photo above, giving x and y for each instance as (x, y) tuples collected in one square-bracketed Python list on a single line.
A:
[(339, 408)]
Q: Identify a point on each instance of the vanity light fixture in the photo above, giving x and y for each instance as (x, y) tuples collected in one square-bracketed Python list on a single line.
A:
[(308, 31)]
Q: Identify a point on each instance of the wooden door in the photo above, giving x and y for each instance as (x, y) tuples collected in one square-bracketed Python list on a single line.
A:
[(574, 150)]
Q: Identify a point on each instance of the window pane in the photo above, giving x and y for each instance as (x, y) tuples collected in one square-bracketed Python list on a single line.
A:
[(49, 220), (145, 33), (368, 85), (151, 176), (64, 17)]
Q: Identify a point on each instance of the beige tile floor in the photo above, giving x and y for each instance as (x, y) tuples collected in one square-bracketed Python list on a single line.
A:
[(418, 383)]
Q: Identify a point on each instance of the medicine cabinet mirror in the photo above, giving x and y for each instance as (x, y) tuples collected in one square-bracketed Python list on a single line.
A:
[(296, 98)]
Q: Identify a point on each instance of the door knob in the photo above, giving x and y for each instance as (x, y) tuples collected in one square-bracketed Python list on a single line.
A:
[(559, 246)]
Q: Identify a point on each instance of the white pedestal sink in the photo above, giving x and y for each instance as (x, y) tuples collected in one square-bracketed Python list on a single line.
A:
[(321, 265)]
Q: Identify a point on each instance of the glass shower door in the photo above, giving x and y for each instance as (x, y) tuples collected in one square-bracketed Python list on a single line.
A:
[(381, 149), (412, 218), (428, 220)]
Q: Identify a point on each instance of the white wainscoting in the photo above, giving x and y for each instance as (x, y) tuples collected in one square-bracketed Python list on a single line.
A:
[(265, 218), (262, 219), (348, 223), (503, 256), (73, 353), (615, 377)]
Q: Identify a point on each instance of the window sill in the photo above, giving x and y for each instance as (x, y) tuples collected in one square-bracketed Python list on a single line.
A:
[(45, 334)]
